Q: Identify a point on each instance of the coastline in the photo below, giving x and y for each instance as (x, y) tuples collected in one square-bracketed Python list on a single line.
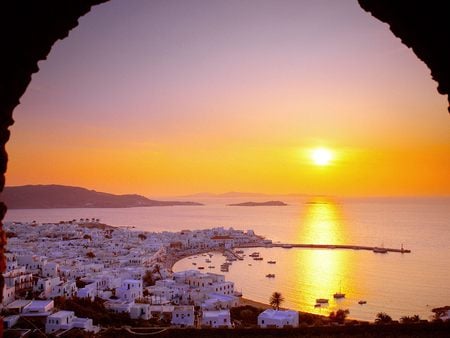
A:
[(243, 301)]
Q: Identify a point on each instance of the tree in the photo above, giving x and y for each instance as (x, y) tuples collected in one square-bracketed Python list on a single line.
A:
[(90, 254), (383, 318), (339, 316), (157, 269), (142, 237), (148, 278), (408, 319), (276, 299)]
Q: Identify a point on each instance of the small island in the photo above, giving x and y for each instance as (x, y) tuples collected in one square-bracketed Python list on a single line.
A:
[(259, 204)]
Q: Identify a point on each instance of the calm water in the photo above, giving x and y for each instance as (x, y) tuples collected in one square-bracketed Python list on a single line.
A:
[(394, 283)]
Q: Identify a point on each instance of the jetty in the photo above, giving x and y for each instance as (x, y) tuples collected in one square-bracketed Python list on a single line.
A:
[(233, 254), (334, 246)]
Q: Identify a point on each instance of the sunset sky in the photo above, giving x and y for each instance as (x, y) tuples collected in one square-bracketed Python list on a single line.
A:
[(177, 97)]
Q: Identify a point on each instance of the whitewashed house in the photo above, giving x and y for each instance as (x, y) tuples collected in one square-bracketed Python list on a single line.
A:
[(215, 319), (130, 290), (32, 263), (140, 311), (66, 320), (9, 294), (278, 318), (183, 316), (217, 302), (89, 291), (41, 307), (50, 269)]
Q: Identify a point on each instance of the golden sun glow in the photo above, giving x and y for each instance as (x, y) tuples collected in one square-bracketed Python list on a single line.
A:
[(321, 156)]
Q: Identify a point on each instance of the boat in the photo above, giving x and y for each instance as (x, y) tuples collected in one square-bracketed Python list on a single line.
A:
[(201, 267), (270, 275), (211, 267), (322, 300), (239, 251), (207, 260), (271, 262), (286, 246), (362, 302), (339, 295), (258, 258), (249, 264), (193, 263), (254, 254), (317, 305)]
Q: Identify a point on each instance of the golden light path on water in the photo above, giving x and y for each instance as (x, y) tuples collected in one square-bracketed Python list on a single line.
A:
[(302, 275), (319, 271)]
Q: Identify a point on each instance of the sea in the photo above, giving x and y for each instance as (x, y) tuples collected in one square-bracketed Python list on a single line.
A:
[(395, 283)]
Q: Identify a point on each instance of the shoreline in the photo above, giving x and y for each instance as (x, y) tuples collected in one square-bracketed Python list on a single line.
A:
[(243, 301)]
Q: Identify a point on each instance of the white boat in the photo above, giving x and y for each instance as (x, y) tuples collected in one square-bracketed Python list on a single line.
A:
[(339, 295)]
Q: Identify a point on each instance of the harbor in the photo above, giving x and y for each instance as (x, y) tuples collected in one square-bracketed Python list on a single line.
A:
[(376, 249)]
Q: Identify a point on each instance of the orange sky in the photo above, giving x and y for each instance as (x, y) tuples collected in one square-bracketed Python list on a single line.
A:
[(162, 98)]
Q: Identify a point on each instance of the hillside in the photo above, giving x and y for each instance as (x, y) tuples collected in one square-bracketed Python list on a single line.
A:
[(59, 196)]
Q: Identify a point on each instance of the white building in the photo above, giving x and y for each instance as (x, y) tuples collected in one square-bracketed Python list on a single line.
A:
[(40, 307), (50, 269), (278, 318), (216, 319), (66, 320), (183, 316), (218, 301), (140, 311), (89, 291), (130, 290)]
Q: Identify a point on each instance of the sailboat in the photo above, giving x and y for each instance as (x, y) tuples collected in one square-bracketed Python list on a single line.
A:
[(339, 295)]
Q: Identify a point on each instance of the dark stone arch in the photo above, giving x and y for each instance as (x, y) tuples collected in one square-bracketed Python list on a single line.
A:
[(29, 28)]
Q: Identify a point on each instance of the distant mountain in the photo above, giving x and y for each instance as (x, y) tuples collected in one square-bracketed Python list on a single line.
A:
[(60, 196), (259, 204)]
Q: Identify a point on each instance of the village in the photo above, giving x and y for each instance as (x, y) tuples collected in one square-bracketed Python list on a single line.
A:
[(129, 271)]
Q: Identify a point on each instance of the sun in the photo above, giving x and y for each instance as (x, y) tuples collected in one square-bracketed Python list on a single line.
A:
[(321, 156)]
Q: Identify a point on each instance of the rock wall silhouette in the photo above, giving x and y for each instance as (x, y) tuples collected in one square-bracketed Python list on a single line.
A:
[(423, 26), (29, 28)]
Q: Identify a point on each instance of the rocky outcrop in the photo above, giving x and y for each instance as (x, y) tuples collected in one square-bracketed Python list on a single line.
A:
[(423, 26), (28, 30)]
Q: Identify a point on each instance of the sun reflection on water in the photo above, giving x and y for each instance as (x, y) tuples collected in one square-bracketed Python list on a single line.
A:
[(322, 271)]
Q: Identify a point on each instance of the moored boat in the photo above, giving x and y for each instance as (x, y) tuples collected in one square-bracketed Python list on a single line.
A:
[(339, 295), (322, 300)]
